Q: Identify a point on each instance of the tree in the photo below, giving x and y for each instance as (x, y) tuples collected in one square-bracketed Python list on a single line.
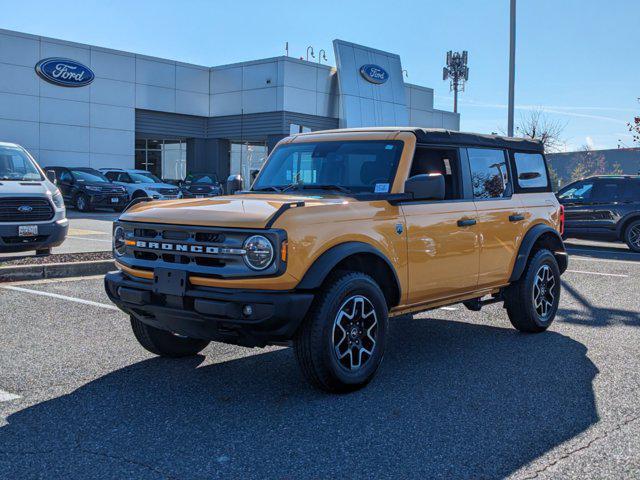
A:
[(634, 128), (538, 126), (590, 163)]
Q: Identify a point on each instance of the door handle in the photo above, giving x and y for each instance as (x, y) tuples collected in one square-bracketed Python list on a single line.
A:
[(466, 222), (516, 218)]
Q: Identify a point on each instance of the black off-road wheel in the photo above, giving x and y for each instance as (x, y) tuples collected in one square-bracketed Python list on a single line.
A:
[(341, 342), (532, 301), (632, 235), (166, 344)]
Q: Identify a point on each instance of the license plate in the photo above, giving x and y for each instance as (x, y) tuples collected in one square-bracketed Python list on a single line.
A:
[(114, 199), (199, 196), (27, 230), (170, 282)]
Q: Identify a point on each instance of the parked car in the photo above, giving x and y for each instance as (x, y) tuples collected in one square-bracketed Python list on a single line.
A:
[(319, 253), (32, 212), (140, 184), (87, 189), (603, 207), (201, 185)]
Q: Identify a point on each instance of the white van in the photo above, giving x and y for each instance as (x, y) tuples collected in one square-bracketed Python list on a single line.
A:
[(32, 213)]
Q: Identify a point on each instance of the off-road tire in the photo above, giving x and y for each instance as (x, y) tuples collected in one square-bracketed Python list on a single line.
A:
[(82, 203), (165, 344), (314, 342), (519, 297), (630, 238)]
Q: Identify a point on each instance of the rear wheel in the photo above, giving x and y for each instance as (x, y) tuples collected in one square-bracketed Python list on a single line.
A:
[(632, 235), (532, 301), (341, 342), (166, 343)]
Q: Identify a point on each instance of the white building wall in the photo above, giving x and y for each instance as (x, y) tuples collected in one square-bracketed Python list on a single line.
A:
[(95, 125)]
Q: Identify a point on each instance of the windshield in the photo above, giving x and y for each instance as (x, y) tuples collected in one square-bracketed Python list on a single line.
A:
[(15, 164), (144, 177), (201, 178), (354, 166), (89, 175)]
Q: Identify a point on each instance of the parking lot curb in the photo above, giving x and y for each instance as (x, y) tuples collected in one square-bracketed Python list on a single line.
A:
[(18, 273)]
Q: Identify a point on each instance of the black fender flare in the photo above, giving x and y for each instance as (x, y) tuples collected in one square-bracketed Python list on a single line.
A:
[(628, 218), (529, 240), (322, 266)]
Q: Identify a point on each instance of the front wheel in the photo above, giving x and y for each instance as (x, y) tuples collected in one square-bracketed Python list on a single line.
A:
[(165, 343), (532, 301), (341, 342), (82, 203), (632, 236)]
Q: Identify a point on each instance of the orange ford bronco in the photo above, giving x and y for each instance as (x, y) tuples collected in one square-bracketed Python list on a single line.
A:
[(340, 231)]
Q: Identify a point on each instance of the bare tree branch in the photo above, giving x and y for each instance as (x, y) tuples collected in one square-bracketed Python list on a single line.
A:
[(536, 125)]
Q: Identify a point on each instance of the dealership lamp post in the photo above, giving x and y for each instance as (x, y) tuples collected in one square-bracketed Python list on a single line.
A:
[(512, 66), (458, 72)]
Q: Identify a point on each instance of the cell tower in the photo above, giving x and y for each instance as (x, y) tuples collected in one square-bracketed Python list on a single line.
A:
[(456, 71)]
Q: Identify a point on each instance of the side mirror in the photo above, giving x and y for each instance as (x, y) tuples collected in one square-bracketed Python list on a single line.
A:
[(51, 175), (425, 186), (234, 183)]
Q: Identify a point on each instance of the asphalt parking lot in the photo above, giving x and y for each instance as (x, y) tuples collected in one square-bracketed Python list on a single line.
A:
[(460, 395)]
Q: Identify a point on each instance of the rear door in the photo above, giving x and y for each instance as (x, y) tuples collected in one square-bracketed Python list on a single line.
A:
[(606, 202), (500, 215), (65, 183)]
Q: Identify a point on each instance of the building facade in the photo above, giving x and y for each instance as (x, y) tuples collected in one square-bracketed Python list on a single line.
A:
[(128, 110)]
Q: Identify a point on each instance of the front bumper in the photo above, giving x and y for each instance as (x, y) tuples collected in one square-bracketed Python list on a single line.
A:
[(104, 200), (50, 234), (212, 314)]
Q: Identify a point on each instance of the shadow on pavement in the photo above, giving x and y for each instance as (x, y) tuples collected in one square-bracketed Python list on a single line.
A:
[(452, 400), (616, 251), (593, 316)]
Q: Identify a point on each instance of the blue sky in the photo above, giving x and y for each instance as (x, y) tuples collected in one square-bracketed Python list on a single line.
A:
[(576, 59)]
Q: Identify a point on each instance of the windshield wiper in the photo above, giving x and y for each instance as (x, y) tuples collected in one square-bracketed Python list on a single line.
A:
[(311, 186), (265, 189)]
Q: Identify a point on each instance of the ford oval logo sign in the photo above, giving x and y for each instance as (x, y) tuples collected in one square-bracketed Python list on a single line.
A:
[(64, 72), (25, 208), (374, 74)]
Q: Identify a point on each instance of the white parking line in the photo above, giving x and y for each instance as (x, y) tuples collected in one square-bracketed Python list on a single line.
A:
[(599, 273), (61, 297), (604, 260), (7, 397), (590, 250), (448, 308), (87, 239)]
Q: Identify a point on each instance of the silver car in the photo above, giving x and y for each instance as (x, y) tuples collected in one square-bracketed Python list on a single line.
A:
[(140, 183)]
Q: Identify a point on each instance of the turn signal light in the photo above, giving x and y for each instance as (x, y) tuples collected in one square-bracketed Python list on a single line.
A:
[(561, 219), (283, 251)]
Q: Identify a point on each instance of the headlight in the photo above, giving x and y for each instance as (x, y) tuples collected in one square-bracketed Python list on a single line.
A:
[(259, 252), (92, 188), (118, 241), (57, 199)]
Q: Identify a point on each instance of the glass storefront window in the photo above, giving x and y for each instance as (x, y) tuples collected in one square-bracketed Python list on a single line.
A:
[(164, 158), (247, 160)]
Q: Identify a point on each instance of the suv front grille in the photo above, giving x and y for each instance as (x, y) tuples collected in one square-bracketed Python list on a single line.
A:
[(25, 210), (168, 191)]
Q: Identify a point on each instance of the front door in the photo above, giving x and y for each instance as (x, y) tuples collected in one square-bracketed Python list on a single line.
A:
[(577, 201), (500, 217), (442, 235)]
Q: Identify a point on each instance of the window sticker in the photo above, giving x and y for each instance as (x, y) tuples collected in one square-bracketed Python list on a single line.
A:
[(388, 147), (382, 188)]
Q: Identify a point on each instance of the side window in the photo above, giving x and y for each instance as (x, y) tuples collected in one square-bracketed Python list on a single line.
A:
[(124, 178), (608, 190), (578, 192), (489, 174), (111, 175), (65, 176), (530, 170), (442, 161)]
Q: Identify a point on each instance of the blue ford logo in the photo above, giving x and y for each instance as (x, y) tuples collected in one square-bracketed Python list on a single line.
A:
[(25, 209), (374, 74), (64, 72)]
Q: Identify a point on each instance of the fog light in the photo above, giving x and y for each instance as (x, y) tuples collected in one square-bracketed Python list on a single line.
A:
[(247, 310)]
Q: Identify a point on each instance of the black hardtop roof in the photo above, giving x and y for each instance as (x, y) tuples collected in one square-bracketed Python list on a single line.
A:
[(450, 137)]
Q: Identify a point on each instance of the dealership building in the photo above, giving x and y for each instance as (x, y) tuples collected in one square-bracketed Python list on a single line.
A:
[(82, 105)]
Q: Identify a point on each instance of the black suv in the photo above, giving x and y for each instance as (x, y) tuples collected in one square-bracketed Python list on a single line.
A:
[(87, 188), (603, 207), (198, 185)]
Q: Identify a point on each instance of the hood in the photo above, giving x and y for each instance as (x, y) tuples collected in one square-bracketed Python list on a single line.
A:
[(26, 188), (241, 211)]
